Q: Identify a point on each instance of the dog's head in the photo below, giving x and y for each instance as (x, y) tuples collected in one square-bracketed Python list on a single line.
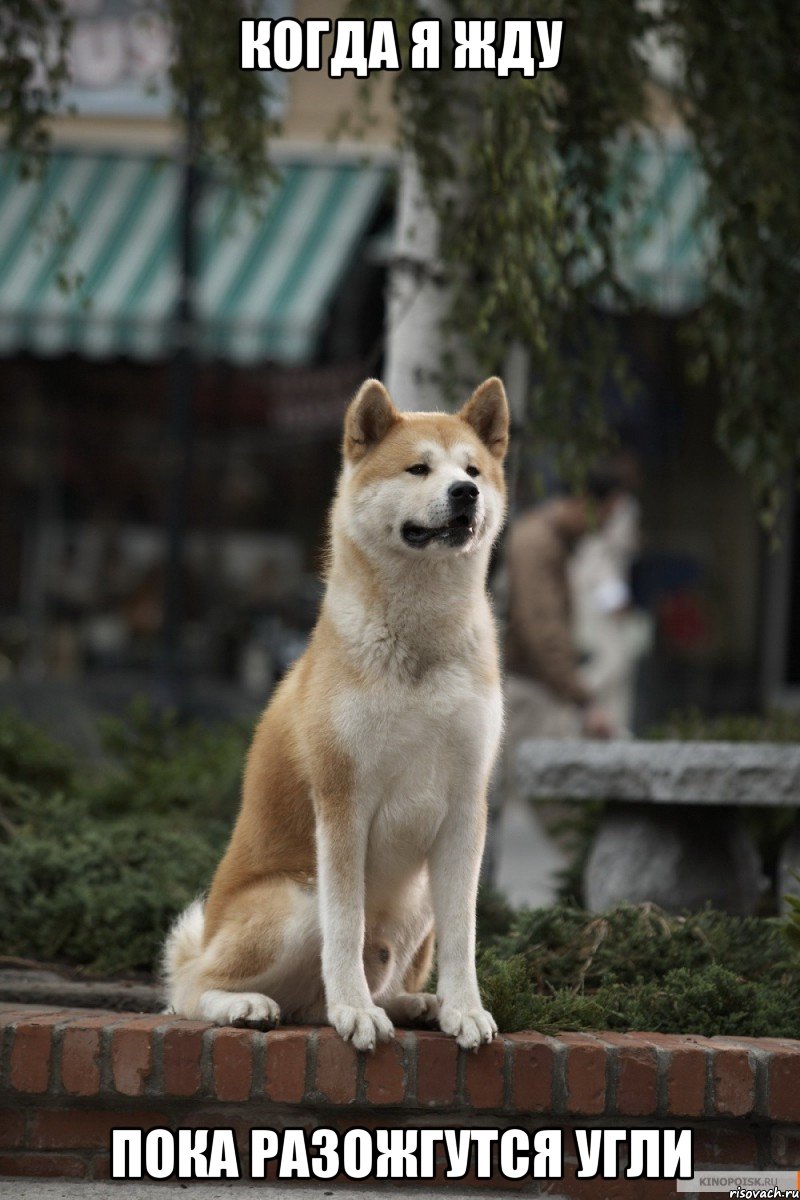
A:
[(424, 483)]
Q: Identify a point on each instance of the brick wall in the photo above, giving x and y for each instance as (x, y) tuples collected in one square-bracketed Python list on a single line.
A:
[(68, 1076)]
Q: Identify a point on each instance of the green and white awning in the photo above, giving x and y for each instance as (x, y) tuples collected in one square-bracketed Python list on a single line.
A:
[(662, 244), (88, 257)]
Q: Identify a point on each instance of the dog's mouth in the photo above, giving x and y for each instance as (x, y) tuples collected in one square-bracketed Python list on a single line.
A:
[(456, 532)]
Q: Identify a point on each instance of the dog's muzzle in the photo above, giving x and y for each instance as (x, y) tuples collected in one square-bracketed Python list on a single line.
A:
[(460, 527)]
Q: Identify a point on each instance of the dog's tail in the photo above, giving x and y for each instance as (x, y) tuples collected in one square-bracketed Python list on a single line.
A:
[(182, 950)]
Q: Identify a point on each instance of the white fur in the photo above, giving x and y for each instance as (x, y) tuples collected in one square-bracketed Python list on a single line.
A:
[(238, 1008), (184, 943)]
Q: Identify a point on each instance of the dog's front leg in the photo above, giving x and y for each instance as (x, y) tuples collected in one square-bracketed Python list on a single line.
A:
[(454, 868), (341, 857)]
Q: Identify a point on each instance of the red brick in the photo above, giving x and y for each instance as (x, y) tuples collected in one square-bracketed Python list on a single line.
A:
[(785, 1147), (336, 1068), (532, 1073), (686, 1073), (285, 1073), (80, 1061), (734, 1083), (42, 1166), (484, 1076), (688, 1070), (12, 1127), (232, 1063), (784, 1086), (91, 1018), (10, 1014), (437, 1058), (83, 1129), (182, 1048), (385, 1071), (32, 1053), (772, 1045), (637, 1075), (220, 1117), (717, 1147), (650, 1039), (101, 1166), (585, 1074), (132, 1055)]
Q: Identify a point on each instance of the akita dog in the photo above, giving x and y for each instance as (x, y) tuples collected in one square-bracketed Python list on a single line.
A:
[(362, 822)]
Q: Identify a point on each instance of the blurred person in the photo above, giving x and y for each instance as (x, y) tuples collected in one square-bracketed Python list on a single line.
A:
[(547, 695), (610, 633)]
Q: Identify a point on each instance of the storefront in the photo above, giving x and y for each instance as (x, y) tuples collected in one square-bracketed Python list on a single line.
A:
[(288, 312)]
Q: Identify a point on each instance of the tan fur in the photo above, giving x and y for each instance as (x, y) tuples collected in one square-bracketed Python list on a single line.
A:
[(402, 633), (419, 972)]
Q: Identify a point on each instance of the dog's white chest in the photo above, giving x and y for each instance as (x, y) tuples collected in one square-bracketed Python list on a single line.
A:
[(393, 730), (417, 750)]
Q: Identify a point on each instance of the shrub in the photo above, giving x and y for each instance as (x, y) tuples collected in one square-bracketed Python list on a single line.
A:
[(96, 861), (29, 756), (158, 765), (99, 895), (637, 968), (692, 725)]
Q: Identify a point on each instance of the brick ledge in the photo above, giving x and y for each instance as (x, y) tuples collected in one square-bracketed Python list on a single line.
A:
[(67, 1076), (82, 1053)]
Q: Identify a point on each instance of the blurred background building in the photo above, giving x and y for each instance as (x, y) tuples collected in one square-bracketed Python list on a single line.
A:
[(288, 315), (288, 309)]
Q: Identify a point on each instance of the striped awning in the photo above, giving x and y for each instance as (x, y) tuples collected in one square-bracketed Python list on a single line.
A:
[(88, 257), (662, 243)]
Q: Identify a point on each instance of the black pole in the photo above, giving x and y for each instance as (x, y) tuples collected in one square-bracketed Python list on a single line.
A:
[(180, 404)]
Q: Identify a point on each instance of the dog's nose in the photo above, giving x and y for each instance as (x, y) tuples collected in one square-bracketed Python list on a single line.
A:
[(463, 494)]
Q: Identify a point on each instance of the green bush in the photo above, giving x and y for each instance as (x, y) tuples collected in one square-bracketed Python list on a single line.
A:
[(637, 968), (31, 757), (96, 860), (99, 895), (158, 765), (710, 1002), (692, 725)]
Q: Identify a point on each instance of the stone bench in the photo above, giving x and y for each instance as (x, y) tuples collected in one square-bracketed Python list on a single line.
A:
[(672, 831)]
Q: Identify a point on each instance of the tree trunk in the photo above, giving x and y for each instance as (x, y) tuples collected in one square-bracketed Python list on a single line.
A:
[(417, 300)]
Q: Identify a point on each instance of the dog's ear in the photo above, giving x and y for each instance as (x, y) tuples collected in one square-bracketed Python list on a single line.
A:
[(487, 412), (369, 418)]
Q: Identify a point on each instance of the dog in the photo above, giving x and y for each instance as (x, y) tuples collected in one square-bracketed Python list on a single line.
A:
[(363, 814)]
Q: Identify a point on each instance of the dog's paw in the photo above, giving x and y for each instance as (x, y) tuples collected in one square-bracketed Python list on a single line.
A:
[(364, 1027), (251, 1009), (469, 1026), (413, 1006)]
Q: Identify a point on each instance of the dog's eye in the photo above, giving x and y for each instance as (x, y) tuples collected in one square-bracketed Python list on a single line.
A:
[(472, 471), (419, 469)]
